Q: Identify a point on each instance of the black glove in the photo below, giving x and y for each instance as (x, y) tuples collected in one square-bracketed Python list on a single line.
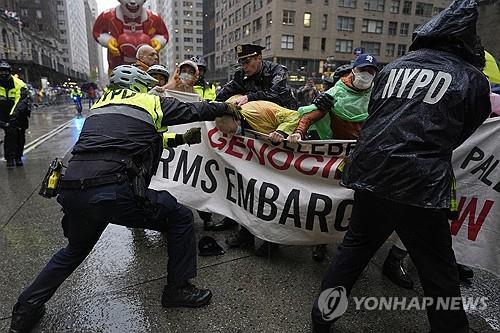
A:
[(324, 102), (233, 110), (192, 136)]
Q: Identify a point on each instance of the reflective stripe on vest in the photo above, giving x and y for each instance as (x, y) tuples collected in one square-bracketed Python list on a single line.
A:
[(124, 110), (14, 93), (149, 103)]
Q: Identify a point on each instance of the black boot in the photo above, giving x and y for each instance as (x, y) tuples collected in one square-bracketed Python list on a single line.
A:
[(394, 268), (267, 249), (319, 253), (10, 163), (224, 224), (19, 162), (242, 238), (184, 295), (25, 316)]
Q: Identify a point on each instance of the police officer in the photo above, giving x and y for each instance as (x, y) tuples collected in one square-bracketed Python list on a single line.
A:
[(14, 113), (401, 167), (107, 180), (205, 89), (257, 79)]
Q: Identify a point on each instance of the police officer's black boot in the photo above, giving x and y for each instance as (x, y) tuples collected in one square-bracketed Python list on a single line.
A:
[(19, 162), (25, 316), (184, 294), (224, 224), (242, 238), (319, 253), (10, 163), (394, 268)]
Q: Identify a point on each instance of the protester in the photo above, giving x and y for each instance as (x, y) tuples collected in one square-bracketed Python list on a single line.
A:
[(160, 73), (107, 180), (184, 78), (401, 167), (15, 111), (146, 56)]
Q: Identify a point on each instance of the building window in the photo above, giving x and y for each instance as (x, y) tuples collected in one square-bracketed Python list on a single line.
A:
[(401, 49), (343, 46), (437, 10), (324, 21), (237, 34), (199, 32), (237, 15), (323, 44), (269, 18), (372, 26), (199, 40), (257, 25), (246, 30), (415, 26), (287, 42), (306, 43), (257, 4), (288, 17), (371, 47), (407, 7), (389, 50), (326, 2), (423, 9), (345, 23), (188, 40), (403, 29), (188, 22), (307, 20), (187, 13), (247, 9), (393, 28), (376, 5), (395, 6), (257, 42), (268, 42), (188, 31), (347, 3)]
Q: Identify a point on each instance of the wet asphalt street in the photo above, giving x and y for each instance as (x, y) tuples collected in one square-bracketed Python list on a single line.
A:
[(118, 287)]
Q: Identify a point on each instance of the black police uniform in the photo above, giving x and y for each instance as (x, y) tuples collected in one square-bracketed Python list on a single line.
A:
[(121, 140), (15, 110), (270, 84), (401, 167)]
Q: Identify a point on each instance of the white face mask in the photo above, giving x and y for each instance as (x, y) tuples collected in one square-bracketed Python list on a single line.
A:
[(186, 76), (362, 80)]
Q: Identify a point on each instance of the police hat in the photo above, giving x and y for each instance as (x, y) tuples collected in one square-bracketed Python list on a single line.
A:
[(248, 50)]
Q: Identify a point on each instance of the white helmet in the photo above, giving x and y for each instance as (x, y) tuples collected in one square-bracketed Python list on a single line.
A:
[(133, 78), (159, 69)]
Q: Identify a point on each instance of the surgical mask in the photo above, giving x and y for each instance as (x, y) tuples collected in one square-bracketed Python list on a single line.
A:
[(186, 76), (362, 80)]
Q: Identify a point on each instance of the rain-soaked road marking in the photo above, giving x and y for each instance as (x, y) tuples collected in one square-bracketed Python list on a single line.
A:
[(38, 141)]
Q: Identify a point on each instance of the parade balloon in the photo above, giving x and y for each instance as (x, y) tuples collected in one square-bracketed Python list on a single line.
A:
[(131, 41)]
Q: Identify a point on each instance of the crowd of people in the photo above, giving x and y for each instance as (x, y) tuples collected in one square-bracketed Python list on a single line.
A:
[(400, 168)]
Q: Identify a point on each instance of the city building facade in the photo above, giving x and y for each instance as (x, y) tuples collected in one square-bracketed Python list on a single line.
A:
[(96, 65), (302, 34)]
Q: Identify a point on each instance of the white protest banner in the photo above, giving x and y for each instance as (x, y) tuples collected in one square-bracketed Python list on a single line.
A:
[(476, 232), (290, 193)]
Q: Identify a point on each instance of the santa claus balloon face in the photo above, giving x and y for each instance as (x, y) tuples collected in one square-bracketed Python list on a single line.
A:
[(131, 8)]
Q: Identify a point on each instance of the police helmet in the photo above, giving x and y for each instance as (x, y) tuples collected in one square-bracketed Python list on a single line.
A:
[(5, 65), (343, 69), (159, 69), (133, 78), (199, 61)]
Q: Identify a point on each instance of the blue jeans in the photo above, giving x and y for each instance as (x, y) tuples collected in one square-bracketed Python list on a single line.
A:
[(86, 215)]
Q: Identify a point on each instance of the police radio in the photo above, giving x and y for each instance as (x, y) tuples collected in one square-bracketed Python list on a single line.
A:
[(50, 183)]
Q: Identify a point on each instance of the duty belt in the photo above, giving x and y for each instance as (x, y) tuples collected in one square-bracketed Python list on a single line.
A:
[(82, 184)]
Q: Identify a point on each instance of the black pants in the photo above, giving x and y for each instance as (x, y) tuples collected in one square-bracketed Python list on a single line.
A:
[(426, 235), (86, 215), (15, 138)]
